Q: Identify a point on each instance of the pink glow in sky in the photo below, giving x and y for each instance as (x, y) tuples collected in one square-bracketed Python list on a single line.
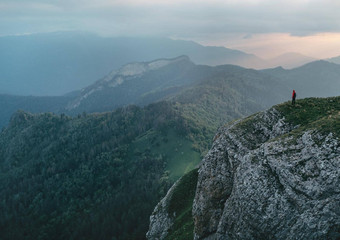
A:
[(263, 27), (321, 46)]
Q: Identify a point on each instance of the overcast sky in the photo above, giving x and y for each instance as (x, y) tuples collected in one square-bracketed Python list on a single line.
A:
[(264, 27)]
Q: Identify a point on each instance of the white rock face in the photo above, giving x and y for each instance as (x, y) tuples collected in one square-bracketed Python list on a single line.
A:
[(132, 69), (119, 80), (128, 72), (257, 183), (138, 68)]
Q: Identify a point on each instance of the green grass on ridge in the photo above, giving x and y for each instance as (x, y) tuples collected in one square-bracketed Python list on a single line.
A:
[(322, 114), (180, 205), (177, 151)]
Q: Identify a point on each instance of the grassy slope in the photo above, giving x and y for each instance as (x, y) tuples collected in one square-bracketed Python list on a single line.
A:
[(179, 152), (322, 114), (180, 205)]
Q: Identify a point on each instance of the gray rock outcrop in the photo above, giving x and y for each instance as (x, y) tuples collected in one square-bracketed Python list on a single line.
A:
[(160, 220), (265, 179), (273, 175)]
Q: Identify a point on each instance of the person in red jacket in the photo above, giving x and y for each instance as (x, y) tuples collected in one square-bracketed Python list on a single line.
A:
[(293, 97)]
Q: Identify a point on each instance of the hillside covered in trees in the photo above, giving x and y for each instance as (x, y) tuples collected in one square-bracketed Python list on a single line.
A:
[(89, 177)]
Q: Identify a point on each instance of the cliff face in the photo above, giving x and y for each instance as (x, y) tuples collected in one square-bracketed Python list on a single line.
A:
[(273, 175), (172, 218), (161, 221)]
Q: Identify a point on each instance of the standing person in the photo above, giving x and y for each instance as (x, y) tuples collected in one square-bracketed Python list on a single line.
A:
[(293, 97)]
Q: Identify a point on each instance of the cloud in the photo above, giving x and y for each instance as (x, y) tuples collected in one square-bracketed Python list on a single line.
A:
[(182, 18), (247, 36), (263, 27), (269, 45)]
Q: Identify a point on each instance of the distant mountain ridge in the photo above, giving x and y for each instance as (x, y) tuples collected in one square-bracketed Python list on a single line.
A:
[(53, 64), (61, 62), (9, 104), (162, 79), (289, 60), (131, 83), (142, 83), (315, 79), (334, 60), (175, 75)]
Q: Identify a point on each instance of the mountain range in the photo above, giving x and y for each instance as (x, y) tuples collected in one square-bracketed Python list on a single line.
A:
[(88, 174), (289, 60), (61, 62), (147, 82), (142, 83), (315, 79), (9, 104), (57, 63)]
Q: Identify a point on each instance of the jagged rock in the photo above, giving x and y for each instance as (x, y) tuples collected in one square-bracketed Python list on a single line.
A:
[(258, 182)]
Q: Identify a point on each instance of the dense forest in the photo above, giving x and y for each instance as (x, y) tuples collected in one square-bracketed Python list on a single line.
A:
[(88, 177)]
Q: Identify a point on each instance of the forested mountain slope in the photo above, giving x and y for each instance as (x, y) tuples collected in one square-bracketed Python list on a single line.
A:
[(89, 177)]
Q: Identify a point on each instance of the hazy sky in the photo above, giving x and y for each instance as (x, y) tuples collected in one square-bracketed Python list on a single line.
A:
[(263, 27)]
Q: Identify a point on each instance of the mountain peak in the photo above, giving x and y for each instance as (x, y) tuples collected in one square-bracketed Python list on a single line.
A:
[(291, 60), (146, 74), (137, 68), (159, 63), (319, 65)]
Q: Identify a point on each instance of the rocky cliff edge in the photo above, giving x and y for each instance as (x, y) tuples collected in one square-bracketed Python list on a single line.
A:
[(273, 175)]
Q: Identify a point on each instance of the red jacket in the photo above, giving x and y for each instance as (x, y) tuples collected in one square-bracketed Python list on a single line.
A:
[(294, 94)]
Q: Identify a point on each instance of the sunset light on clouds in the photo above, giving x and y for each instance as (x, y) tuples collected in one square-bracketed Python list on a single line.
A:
[(321, 45), (263, 27)]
